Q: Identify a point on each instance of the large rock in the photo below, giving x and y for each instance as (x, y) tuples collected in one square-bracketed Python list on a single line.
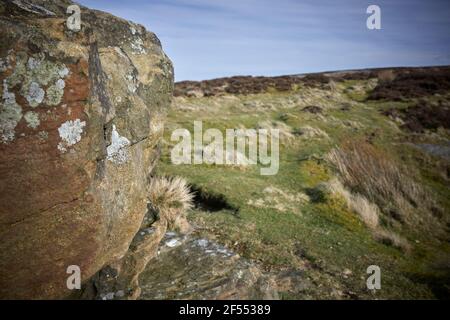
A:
[(80, 121), (190, 267)]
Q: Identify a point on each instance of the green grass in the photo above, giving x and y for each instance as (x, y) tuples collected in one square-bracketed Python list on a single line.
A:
[(330, 236)]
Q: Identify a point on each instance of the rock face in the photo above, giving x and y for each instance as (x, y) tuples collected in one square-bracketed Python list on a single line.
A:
[(191, 267), (80, 120), (120, 279)]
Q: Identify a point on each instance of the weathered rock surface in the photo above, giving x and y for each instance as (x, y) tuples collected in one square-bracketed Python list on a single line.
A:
[(191, 267), (80, 121), (120, 279)]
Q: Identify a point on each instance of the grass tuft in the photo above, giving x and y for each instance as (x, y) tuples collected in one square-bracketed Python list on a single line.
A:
[(171, 197), (370, 172)]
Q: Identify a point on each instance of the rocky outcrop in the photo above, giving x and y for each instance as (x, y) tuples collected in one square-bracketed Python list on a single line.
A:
[(80, 122), (120, 279), (192, 267)]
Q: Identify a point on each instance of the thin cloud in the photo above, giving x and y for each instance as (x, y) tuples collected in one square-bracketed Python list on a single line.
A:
[(208, 39)]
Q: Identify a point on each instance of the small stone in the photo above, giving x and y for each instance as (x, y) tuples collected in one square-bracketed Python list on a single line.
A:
[(347, 272), (109, 296), (120, 294), (172, 243), (202, 243)]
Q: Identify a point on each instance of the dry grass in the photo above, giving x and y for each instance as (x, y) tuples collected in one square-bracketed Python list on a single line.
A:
[(392, 239), (285, 133), (378, 186), (170, 196), (370, 172), (367, 210), (369, 214), (308, 132), (280, 200)]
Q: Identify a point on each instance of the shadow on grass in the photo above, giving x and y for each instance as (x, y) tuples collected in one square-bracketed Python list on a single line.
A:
[(212, 202)]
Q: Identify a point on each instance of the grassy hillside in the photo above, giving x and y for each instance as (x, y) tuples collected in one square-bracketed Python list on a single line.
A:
[(363, 180)]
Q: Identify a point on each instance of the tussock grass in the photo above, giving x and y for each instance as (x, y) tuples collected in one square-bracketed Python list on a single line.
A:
[(392, 239), (284, 130), (370, 172), (367, 210), (370, 215), (308, 132), (171, 197)]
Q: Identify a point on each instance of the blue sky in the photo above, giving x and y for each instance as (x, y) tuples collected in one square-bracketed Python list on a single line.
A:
[(216, 38)]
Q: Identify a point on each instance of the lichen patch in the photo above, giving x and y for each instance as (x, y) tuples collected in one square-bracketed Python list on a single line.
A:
[(33, 63), (55, 93), (63, 72), (32, 119), (10, 114), (138, 46), (117, 151), (39, 79), (35, 94), (70, 133), (132, 83)]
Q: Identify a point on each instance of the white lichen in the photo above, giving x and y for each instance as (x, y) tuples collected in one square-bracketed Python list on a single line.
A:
[(63, 72), (117, 151), (138, 46), (35, 69), (10, 114), (70, 133), (35, 94), (131, 83), (60, 84), (33, 63), (32, 119)]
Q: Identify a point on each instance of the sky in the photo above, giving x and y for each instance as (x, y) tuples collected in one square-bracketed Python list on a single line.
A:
[(208, 39)]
